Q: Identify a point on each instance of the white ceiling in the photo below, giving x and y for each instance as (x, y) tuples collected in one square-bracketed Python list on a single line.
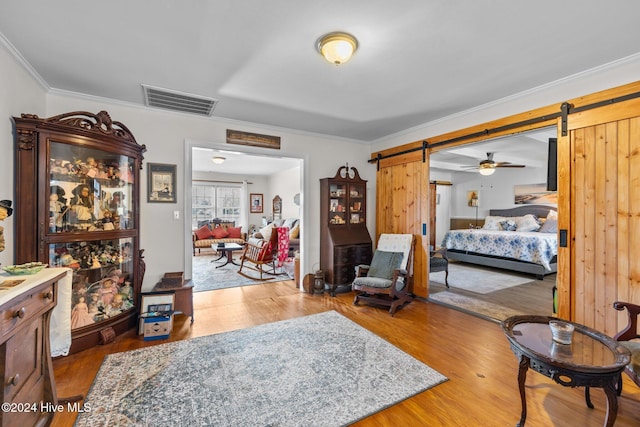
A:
[(238, 163), (418, 60)]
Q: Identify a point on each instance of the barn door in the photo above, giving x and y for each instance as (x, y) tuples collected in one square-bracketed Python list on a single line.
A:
[(401, 193), (599, 206)]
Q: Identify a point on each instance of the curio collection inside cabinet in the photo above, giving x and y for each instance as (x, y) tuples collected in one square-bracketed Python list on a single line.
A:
[(77, 205), (344, 238)]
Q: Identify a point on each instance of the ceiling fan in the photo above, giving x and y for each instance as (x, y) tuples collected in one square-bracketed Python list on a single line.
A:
[(488, 166)]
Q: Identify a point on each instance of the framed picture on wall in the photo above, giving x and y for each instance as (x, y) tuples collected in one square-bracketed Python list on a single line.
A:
[(161, 183), (256, 202)]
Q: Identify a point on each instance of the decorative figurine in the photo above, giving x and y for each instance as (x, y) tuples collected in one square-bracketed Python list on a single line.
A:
[(107, 220), (82, 206), (80, 314)]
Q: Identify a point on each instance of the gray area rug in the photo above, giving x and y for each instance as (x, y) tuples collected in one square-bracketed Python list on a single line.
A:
[(475, 279), (317, 370), (473, 306), (206, 277)]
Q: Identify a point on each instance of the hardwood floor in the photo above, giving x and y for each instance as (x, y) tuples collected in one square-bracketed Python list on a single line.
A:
[(473, 353)]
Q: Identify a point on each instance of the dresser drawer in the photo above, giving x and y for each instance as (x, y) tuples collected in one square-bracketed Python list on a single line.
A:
[(19, 310), (23, 366)]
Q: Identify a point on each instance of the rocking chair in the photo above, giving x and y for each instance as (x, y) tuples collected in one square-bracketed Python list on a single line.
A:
[(388, 281), (265, 255)]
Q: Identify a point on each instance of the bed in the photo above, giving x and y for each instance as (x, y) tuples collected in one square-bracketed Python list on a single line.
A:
[(523, 251)]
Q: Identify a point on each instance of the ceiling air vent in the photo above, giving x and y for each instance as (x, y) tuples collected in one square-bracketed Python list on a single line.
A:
[(178, 101)]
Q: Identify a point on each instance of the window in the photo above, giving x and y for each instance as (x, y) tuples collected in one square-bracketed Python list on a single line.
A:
[(212, 199)]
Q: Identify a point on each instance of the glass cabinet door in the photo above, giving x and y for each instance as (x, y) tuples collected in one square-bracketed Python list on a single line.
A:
[(102, 285), (89, 189), (356, 204), (337, 204)]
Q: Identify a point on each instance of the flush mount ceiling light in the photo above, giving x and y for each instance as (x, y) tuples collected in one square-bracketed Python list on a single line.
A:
[(218, 160), (337, 47)]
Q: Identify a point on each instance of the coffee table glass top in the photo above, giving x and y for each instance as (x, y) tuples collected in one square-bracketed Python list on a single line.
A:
[(589, 348)]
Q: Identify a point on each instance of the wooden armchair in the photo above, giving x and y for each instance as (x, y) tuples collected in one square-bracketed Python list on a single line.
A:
[(629, 337), (388, 281)]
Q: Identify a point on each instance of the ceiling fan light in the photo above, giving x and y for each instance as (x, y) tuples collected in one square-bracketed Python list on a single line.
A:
[(486, 171), (337, 48), (218, 160)]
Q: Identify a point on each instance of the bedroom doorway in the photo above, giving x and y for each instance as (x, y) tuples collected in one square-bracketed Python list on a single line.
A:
[(485, 289)]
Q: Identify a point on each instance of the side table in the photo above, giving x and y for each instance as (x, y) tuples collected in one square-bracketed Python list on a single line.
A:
[(591, 360), (183, 297)]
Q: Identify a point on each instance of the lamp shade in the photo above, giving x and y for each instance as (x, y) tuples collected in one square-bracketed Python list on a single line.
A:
[(218, 160), (337, 48)]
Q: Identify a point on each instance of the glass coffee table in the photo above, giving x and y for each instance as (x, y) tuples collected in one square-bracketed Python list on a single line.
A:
[(227, 251), (591, 360)]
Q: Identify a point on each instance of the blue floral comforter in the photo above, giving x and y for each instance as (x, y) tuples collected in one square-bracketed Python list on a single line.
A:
[(538, 248)]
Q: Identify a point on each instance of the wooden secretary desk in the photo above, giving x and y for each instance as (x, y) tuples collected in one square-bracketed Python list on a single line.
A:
[(344, 239)]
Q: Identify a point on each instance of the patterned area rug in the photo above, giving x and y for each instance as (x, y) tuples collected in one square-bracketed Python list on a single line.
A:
[(318, 370), (475, 279), (206, 277), (473, 306)]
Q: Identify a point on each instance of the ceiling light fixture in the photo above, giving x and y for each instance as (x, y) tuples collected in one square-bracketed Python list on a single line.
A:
[(218, 160), (486, 169), (337, 47)]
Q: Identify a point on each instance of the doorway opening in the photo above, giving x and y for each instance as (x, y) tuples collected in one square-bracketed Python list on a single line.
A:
[(465, 195), (221, 189)]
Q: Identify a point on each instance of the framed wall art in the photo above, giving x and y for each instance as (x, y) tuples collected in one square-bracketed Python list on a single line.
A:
[(161, 183), (257, 202)]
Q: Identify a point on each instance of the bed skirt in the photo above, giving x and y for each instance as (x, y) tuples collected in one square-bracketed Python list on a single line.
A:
[(506, 263)]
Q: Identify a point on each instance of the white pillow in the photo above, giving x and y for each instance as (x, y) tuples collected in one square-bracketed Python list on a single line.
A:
[(493, 222), (266, 231), (528, 222), (552, 215)]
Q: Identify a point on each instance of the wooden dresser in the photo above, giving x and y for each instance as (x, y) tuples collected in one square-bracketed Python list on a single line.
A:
[(26, 368)]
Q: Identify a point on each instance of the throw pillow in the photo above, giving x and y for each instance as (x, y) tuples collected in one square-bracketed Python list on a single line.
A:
[(383, 264), (552, 215), (295, 232), (528, 222), (235, 232), (219, 233), (203, 233), (267, 231), (549, 226), (493, 222), (508, 225)]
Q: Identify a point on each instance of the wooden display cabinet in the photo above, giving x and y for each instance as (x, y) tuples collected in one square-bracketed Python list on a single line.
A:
[(344, 239), (77, 205)]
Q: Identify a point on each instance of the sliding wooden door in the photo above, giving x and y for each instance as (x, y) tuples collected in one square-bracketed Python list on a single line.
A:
[(599, 205), (402, 187)]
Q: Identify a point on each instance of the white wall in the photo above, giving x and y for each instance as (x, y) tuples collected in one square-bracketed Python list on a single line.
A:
[(285, 184), (19, 93), (494, 191)]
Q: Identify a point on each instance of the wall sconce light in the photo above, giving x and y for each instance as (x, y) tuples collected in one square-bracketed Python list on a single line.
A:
[(337, 47), (218, 160)]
